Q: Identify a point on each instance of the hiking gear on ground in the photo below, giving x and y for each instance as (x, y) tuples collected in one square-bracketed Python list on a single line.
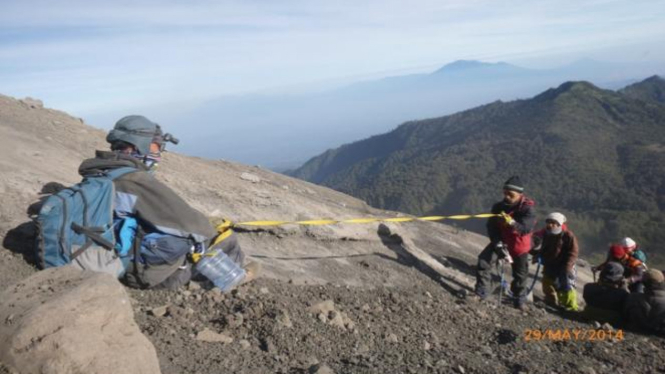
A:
[(76, 225), (629, 244), (514, 184), (135, 130), (617, 252), (518, 236), (556, 217), (220, 270)]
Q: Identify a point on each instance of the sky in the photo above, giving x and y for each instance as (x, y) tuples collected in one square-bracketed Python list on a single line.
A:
[(94, 57)]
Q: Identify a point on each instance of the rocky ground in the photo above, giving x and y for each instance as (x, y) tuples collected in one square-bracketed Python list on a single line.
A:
[(342, 298), (276, 327)]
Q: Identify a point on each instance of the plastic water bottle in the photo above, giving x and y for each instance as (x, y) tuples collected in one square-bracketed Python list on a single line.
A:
[(221, 270)]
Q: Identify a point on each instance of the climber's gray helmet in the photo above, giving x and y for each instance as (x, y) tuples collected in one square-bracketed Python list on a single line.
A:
[(135, 130)]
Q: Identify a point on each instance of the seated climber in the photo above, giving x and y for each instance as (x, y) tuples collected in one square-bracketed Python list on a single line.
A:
[(558, 253), (606, 298), (646, 312), (167, 228), (633, 268)]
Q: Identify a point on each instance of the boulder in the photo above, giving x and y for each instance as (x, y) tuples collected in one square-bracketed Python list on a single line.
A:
[(62, 320)]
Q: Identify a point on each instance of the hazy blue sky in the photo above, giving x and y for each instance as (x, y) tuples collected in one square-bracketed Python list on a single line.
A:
[(89, 57)]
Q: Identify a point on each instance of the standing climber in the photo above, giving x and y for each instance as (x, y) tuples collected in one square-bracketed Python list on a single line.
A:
[(558, 252), (512, 229)]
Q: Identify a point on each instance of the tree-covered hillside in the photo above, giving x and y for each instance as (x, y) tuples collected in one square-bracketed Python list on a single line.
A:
[(596, 155)]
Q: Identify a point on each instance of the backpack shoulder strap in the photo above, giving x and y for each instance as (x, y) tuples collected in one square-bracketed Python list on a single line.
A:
[(119, 172)]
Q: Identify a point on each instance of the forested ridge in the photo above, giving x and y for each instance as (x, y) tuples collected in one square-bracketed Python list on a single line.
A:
[(596, 155)]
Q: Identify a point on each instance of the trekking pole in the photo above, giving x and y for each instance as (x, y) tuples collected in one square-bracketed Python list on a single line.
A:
[(502, 266), (535, 276)]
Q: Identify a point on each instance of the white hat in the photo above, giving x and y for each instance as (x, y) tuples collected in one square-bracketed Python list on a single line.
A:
[(628, 243), (557, 217)]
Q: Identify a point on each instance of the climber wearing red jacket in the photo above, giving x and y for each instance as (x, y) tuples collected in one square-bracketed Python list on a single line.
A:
[(513, 229)]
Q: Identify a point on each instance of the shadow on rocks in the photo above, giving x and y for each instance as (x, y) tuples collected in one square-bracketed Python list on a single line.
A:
[(21, 239), (395, 243)]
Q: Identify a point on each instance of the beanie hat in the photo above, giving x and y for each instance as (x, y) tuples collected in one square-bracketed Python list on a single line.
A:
[(628, 243), (514, 184), (135, 130), (612, 272), (556, 217), (653, 276), (617, 251)]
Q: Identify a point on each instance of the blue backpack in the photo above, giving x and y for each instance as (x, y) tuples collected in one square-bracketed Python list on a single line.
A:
[(77, 218)]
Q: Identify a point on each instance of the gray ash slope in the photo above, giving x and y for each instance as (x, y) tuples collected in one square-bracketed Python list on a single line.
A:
[(390, 313)]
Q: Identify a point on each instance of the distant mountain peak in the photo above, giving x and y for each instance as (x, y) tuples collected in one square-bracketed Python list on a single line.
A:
[(463, 65), (568, 88), (651, 89), (654, 79)]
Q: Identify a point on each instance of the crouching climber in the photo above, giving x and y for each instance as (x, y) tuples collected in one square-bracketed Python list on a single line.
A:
[(633, 268), (646, 312), (123, 221), (605, 299), (558, 253)]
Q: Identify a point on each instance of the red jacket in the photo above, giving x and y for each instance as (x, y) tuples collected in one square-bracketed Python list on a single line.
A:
[(517, 237)]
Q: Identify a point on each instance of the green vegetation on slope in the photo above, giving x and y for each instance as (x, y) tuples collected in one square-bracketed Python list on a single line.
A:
[(596, 155)]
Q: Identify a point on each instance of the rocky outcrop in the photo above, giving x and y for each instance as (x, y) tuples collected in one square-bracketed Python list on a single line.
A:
[(65, 321)]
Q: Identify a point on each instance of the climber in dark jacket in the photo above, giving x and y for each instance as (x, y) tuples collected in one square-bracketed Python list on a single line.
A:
[(605, 299), (512, 229)]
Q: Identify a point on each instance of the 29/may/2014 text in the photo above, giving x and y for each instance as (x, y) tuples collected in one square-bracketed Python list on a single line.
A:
[(588, 335)]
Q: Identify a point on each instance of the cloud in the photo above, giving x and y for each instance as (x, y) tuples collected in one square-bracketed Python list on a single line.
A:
[(89, 55)]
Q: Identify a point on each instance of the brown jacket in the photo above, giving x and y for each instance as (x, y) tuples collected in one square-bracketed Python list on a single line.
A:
[(559, 252)]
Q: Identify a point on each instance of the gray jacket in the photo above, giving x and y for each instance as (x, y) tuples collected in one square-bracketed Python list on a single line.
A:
[(156, 207), (148, 200)]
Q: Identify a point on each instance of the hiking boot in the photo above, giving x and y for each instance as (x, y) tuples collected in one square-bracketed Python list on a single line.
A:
[(252, 270), (521, 306)]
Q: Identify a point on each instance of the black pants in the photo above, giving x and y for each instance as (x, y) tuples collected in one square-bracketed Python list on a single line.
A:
[(520, 267)]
